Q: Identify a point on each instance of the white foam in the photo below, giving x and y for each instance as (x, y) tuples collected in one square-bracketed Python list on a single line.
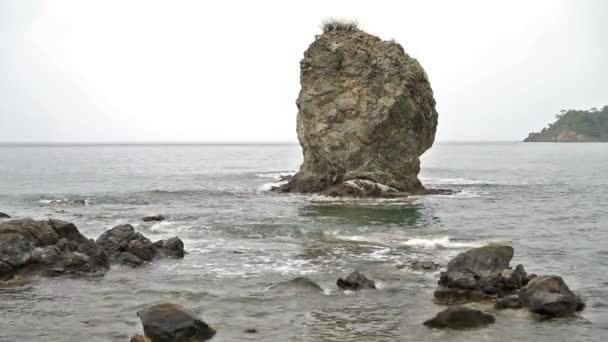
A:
[(269, 186), (364, 184), (275, 175), (444, 242), (464, 181)]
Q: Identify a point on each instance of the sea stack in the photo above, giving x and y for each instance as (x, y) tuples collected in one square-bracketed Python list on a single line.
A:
[(366, 113)]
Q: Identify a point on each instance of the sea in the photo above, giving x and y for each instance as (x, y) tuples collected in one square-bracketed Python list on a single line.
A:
[(548, 200)]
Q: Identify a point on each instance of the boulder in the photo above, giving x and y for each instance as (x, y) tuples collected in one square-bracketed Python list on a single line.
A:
[(299, 285), (3, 215), (172, 323), (366, 113), (140, 338), (355, 281), (49, 248), (550, 296), (153, 218), (125, 246), (479, 274), (456, 317)]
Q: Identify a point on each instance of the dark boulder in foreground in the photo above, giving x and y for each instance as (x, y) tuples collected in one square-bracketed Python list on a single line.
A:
[(299, 285), (480, 274), (459, 317), (550, 296), (172, 323), (53, 247), (3, 215), (153, 218), (355, 281), (125, 246), (366, 113)]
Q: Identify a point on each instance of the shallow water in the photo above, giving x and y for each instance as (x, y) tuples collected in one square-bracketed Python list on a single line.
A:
[(548, 200)]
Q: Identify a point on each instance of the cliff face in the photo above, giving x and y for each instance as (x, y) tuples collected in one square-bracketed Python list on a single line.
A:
[(366, 114), (575, 126)]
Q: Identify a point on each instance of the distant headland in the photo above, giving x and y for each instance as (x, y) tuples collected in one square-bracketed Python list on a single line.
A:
[(575, 126)]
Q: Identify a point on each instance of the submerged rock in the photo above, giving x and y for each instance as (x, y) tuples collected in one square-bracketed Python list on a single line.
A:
[(355, 281), (49, 248), (131, 248), (550, 296), (457, 317), (153, 218), (508, 302), (172, 323), (296, 286), (68, 203), (366, 113), (3, 215)]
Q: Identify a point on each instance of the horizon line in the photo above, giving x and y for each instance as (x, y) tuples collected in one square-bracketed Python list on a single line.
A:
[(208, 142)]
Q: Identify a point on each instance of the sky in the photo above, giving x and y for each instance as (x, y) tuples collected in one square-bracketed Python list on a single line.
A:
[(222, 71)]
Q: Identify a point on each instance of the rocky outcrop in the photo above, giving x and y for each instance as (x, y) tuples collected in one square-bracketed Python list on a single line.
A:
[(575, 126), (479, 274), (550, 296), (483, 274), (53, 247), (355, 282), (459, 317), (172, 323), (125, 246), (3, 215), (366, 113)]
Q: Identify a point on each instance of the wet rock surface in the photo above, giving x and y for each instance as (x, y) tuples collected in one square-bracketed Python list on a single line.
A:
[(53, 247), (4, 216), (296, 286), (479, 274), (366, 113), (172, 323), (459, 317), (550, 296), (355, 282), (126, 246)]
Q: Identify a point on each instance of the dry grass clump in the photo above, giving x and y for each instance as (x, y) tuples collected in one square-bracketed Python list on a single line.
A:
[(333, 24)]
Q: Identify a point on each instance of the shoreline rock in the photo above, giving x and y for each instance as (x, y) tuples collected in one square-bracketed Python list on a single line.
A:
[(169, 322), (550, 296), (355, 282), (296, 286), (4, 216), (125, 246), (56, 248), (51, 248), (366, 113), (459, 317)]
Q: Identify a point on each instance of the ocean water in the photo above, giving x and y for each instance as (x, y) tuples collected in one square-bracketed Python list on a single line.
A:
[(550, 201)]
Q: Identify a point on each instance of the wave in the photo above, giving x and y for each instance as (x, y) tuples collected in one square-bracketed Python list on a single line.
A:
[(275, 174), (388, 239), (464, 181), (440, 242)]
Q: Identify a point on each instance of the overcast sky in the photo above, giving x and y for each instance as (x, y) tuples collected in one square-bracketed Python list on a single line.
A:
[(229, 70)]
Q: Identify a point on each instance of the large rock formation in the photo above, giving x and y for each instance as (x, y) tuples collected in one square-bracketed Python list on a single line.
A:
[(366, 114)]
